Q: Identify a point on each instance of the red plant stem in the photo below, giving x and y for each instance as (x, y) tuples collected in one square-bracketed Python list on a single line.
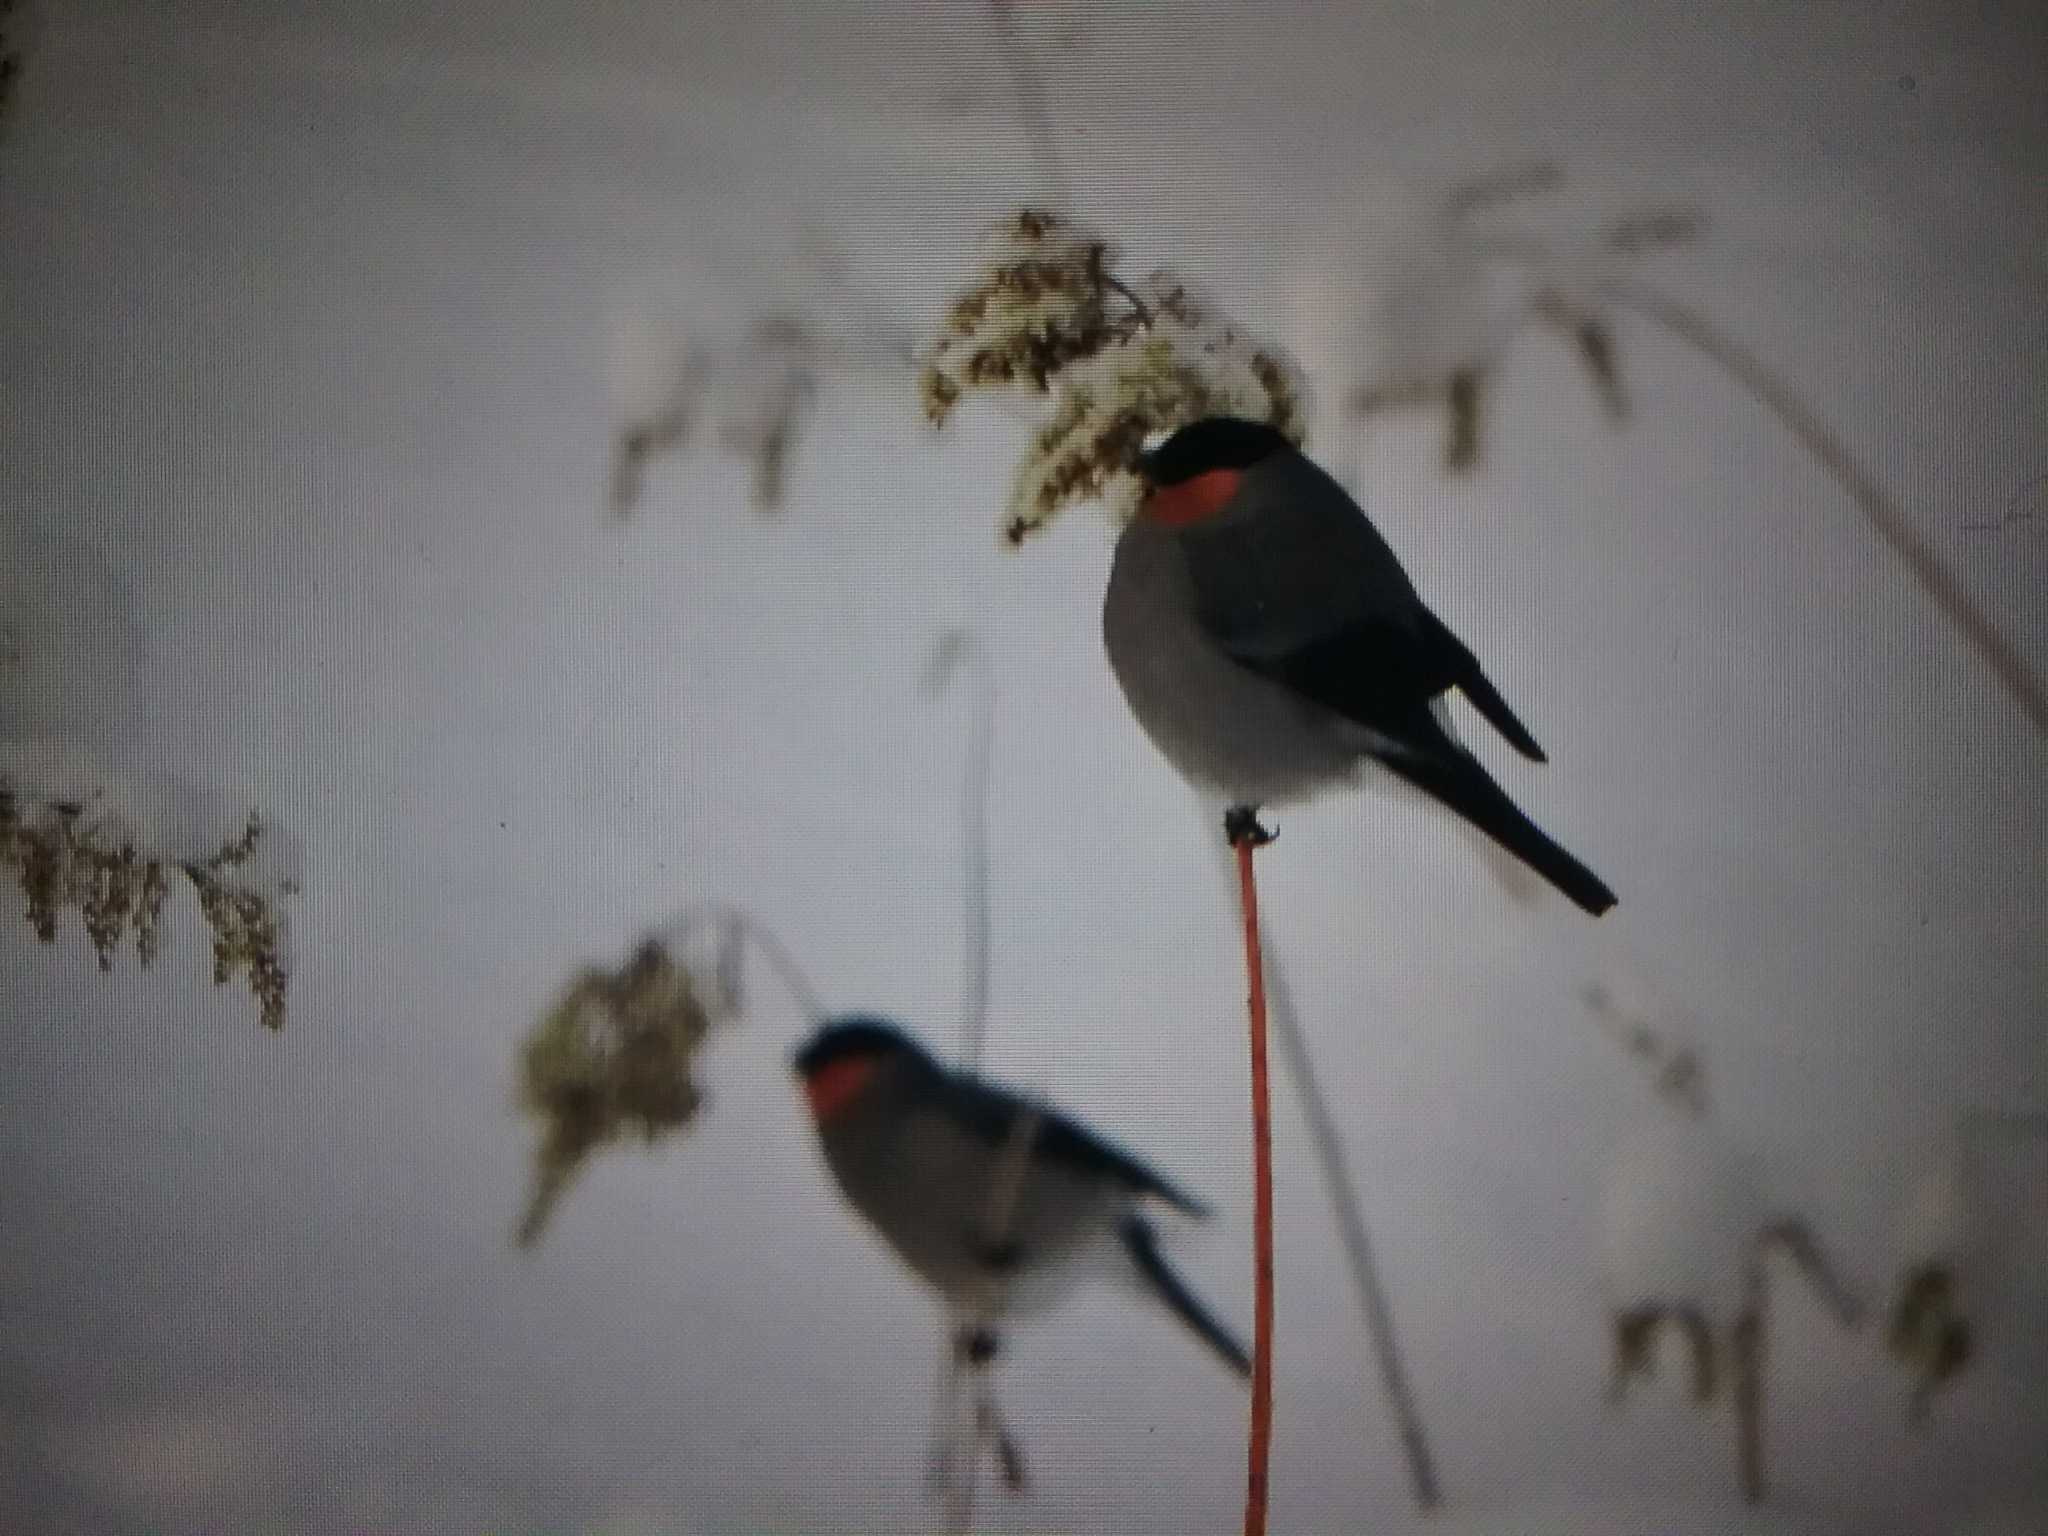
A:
[(1262, 1207)]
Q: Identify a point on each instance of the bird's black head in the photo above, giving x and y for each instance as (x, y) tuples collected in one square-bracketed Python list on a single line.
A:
[(852, 1037), (1214, 442)]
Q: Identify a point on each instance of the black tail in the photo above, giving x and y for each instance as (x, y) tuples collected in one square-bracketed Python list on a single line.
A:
[(1142, 1244), (1479, 689), (1453, 776)]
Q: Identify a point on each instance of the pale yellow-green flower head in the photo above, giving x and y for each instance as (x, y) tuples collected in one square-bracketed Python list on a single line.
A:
[(611, 1062), (1048, 316)]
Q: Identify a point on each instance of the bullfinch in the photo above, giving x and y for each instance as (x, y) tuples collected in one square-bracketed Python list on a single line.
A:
[(927, 1154), (1271, 646)]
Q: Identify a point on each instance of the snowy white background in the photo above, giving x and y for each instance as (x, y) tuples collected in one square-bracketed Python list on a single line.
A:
[(311, 356)]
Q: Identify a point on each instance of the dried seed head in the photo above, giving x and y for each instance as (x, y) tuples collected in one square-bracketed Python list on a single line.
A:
[(1929, 1331), (1635, 1330), (1164, 362), (1049, 315), (1450, 313), (610, 1062), (248, 923), (61, 857)]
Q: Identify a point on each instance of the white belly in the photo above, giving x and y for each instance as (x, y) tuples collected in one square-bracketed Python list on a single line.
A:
[(926, 1187), (1224, 728)]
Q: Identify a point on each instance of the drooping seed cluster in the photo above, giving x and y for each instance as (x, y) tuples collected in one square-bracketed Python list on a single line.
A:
[(1049, 316), (1929, 1330), (248, 926), (63, 858), (1446, 317), (760, 390), (610, 1061)]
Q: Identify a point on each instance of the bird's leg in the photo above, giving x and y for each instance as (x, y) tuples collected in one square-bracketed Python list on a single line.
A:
[(970, 1347), (995, 1429), (1002, 1258), (975, 1349), (939, 1459), (979, 1347), (1241, 826)]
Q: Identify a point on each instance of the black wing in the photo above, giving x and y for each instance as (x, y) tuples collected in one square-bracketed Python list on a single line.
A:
[(1445, 771), (991, 1114), (1375, 671)]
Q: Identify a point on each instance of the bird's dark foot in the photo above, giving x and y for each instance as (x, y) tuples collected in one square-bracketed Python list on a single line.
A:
[(1010, 1457), (1241, 826), (977, 1346), (1016, 1477), (1002, 1258)]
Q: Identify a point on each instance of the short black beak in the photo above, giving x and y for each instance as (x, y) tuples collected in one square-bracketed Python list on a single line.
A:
[(1138, 461)]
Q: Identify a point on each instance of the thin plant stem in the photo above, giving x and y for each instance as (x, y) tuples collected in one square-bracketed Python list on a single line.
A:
[(1749, 1370), (1123, 290), (966, 1467), (945, 1415), (1006, 1188), (1348, 1212), (959, 649), (1795, 1239), (995, 1429), (1351, 1231), (1031, 103), (679, 929), (1261, 1437), (1890, 524)]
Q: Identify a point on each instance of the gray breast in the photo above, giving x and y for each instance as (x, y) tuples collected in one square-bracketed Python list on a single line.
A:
[(925, 1185), (1223, 727)]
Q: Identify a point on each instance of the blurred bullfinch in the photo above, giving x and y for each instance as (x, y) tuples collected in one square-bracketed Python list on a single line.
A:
[(918, 1149), (1271, 646)]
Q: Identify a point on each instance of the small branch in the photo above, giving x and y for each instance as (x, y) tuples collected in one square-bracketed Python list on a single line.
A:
[(956, 649), (1889, 523), (992, 1429), (974, 1332), (1123, 289), (946, 1436), (1506, 184), (1261, 1438), (737, 921), (966, 1456), (1031, 103), (1359, 1258), (1676, 1073), (1796, 1241), (1358, 1255), (1749, 1371)]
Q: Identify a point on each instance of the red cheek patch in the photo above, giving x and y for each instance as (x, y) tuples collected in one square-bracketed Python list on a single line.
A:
[(833, 1086), (1194, 500)]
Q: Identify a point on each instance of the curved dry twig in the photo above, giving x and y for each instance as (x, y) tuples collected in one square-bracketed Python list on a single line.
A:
[(1031, 103), (973, 1334), (1888, 521), (1676, 1073), (958, 1441), (958, 649), (732, 924)]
